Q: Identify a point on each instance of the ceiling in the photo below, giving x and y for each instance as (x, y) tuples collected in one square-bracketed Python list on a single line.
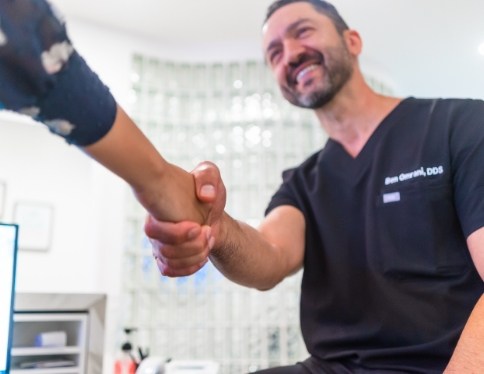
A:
[(425, 47)]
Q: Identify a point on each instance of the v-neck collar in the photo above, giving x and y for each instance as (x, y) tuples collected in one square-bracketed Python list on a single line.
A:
[(390, 118), (354, 167)]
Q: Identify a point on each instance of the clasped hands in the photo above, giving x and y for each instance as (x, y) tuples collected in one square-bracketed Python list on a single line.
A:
[(183, 248)]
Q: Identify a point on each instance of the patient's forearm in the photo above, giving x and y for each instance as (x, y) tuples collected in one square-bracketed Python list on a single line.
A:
[(165, 190)]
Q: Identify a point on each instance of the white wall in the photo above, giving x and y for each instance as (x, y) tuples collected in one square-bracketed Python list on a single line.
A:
[(39, 168), (84, 255), (88, 201)]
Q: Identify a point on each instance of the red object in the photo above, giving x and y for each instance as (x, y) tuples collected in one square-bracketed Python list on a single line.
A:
[(125, 366)]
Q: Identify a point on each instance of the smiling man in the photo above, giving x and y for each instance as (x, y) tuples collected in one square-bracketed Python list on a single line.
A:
[(386, 221), (302, 71)]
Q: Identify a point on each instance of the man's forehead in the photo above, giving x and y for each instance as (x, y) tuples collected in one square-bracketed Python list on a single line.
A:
[(288, 14), (285, 16)]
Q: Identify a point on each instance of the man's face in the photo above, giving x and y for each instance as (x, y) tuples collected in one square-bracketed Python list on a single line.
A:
[(308, 56)]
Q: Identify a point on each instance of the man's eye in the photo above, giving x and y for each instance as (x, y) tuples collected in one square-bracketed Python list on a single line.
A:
[(274, 56), (302, 32)]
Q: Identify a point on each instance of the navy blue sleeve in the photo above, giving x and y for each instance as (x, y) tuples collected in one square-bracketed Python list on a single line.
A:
[(285, 195), (41, 74), (467, 144)]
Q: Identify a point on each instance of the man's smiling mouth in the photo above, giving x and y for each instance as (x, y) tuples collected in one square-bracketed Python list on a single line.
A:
[(302, 74)]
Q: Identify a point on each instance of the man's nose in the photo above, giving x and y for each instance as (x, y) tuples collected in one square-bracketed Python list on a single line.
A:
[(293, 52)]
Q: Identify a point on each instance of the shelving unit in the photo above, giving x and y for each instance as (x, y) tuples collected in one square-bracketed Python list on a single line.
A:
[(81, 316), (47, 371), (29, 325)]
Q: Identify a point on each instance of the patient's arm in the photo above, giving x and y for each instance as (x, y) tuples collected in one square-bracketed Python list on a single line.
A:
[(42, 75), (165, 190)]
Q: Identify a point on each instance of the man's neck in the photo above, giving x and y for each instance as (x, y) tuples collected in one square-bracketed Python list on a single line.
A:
[(354, 114)]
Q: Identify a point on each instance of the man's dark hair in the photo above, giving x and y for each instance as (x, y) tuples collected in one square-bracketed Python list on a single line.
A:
[(320, 6)]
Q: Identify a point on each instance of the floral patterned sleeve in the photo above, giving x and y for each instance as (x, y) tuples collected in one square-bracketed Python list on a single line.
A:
[(43, 76)]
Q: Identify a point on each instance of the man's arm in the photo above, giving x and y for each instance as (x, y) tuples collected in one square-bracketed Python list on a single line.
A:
[(263, 257), (468, 355)]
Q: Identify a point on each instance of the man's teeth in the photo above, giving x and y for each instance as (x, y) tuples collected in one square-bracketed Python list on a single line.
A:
[(305, 71)]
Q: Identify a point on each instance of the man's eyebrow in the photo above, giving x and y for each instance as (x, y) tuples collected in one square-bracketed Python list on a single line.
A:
[(289, 29)]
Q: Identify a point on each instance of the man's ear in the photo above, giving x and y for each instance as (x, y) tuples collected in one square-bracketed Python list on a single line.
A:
[(353, 42)]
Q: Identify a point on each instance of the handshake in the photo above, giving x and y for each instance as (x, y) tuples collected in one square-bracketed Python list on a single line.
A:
[(182, 248)]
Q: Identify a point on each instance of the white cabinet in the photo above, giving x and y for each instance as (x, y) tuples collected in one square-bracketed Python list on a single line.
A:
[(26, 357), (81, 316)]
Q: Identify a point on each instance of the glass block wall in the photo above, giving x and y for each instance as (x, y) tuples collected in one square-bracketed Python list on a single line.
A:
[(233, 115)]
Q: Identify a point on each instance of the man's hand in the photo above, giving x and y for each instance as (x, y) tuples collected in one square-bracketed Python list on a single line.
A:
[(181, 249)]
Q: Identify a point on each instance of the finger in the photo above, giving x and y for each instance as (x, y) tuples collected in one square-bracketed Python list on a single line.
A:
[(182, 267), (183, 272), (172, 253), (199, 246), (171, 233), (183, 262)]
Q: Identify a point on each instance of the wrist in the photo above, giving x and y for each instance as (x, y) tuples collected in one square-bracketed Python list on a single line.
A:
[(221, 233), (153, 191)]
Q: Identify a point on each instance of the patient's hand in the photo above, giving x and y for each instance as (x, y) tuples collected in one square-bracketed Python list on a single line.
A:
[(173, 197), (177, 196)]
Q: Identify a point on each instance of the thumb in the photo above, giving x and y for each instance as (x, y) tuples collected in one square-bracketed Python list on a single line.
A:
[(207, 177)]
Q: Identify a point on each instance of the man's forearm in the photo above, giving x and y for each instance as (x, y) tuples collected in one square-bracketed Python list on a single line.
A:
[(245, 257), (468, 357)]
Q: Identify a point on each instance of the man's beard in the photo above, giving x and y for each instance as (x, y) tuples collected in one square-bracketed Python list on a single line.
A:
[(337, 68)]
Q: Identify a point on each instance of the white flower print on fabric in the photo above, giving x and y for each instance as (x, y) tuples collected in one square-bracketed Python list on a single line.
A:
[(60, 126), (56, 57), (3, 37), (32, 111)]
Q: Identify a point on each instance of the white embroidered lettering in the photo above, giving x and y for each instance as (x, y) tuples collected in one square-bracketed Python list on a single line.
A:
[(418, 173), (390, 180)]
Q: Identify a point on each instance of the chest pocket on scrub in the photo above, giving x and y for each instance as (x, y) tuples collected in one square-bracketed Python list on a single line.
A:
[(418, 233)]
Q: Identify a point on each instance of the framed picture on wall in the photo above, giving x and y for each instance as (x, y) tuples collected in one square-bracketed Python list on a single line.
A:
[(3, 194), (35, 220)]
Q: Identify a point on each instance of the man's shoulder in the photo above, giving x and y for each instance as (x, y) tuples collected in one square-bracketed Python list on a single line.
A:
[(304, 170), (447, 102), (451, 109), (308, 164)]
